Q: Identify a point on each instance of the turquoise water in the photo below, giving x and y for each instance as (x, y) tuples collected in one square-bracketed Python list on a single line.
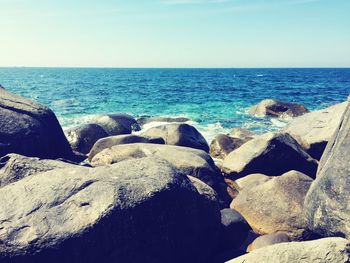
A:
[(214, 99)]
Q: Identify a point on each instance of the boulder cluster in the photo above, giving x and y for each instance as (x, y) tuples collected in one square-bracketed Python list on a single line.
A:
[(113, 191)]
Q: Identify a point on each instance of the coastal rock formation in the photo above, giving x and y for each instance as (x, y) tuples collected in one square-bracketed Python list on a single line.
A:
[(135, 211), (82, 138), (327, 203), (110, 141), (315, 129), (235, 229), (242, 133), (30, 129), (268, 240), (327, 250), (144, 120), (204, 189), (14, 167), (180, 135), (276, 205), (116, 124), (223, 144), (270, 154), (275, 108), (252, 180), (189, 161)]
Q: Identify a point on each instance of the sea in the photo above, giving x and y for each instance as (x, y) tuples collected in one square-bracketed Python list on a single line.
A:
[(215, 100)]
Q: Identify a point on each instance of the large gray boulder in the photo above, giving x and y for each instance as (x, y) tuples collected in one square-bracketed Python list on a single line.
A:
[(135, 211), (118, 123), (82, 138), (223, 145), (110, 141), (179, 134), (30, 129), (276, 108), (327, 250), (268, 240), (315, 129), (14, 167), (271, 154), (327, 202), (276, 205), (189, 161)]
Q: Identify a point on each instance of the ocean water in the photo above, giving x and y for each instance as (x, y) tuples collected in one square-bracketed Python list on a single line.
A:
[(214, 99)]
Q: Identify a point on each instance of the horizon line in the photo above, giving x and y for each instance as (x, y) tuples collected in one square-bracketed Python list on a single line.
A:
[(111, 67)]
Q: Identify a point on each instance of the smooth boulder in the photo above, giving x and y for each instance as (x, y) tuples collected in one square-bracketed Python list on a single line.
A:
[(276, 108), (30, 129), (223, 145), (82, 138), (315, 129), (252, 180), (327, 250), (268, 240), (117, 124), (14, 167), (242, 133), (179, 134), (135, 211), (327, 202), (272, 154), (189, 161), (204, 189), (276, 205), (110, 141)]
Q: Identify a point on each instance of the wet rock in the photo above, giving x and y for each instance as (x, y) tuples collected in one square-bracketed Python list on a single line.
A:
[(275, 108), (82, 138), (117, 124)]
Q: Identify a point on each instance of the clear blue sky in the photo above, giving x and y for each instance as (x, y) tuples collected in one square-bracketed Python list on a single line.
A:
[(175, 33)]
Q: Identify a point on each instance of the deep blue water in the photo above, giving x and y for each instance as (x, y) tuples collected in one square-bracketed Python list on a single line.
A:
[(215, 99)]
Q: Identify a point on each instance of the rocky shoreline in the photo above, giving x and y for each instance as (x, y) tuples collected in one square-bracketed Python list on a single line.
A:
[(110, 191)]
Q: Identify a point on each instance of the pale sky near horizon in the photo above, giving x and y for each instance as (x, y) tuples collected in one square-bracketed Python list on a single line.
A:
[(175, 33)]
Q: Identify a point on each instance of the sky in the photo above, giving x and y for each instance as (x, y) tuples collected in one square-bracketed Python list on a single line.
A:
[(175, 33)]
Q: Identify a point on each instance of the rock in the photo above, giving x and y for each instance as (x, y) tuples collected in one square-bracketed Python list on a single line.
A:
[(327, 202), (275, 108), (82, 138), (30, 129), (276, 205), (189, 161), (268, 240), (117, 124), (145, 120), (14, 167), (204, 189), (1, 87), (232, 187), (235, 229), (110, 141), (223, 144), (335, 250), (180, 135), (134, 211), (315, 129), (270, 154), (252, 180), (242, 133)]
